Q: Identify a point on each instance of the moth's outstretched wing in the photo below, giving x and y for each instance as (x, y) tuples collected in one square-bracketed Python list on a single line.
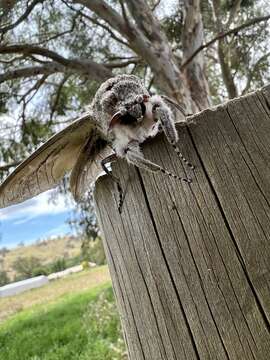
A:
[(45, 168), (88, 166)]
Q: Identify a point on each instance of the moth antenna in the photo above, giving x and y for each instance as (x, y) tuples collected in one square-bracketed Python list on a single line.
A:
[(164, 171), (175, 104), (181, 156)]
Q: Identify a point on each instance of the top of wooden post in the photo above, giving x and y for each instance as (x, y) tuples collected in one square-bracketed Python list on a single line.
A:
[(190, 263)]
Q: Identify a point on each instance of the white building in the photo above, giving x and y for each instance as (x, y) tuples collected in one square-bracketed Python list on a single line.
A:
[(24, 285)]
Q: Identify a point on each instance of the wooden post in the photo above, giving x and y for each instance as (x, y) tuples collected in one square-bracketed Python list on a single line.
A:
[(190, 264)]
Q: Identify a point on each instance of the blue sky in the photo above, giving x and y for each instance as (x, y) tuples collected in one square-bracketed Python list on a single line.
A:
[(36, 218)]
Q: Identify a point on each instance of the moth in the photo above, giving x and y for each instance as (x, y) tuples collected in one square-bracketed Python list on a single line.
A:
[(120, 118)]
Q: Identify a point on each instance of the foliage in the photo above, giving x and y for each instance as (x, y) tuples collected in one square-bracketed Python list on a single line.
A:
[(85, 265), (93, 251), (173, 26), (84, 219), (101, 321), (4, 279), (246, 52), (30, 266), (25, 267), (59, 265), (65, 330)]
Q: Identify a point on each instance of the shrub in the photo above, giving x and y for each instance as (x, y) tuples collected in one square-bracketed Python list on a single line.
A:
[(25, 266), (42, 270), (97, 252), (93, 251), (102, 323), (85, 265), (4, 279), (59, 265)]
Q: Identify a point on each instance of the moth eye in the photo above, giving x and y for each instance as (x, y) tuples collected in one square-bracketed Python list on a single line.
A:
[(109, 88), (109, 102), (113, 98)]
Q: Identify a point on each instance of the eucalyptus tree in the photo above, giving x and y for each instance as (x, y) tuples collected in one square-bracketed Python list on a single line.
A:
[(55, 53)]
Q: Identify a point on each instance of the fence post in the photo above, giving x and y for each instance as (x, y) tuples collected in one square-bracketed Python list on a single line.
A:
[(190, 263)]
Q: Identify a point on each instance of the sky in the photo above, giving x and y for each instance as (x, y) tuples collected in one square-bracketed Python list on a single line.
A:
[(37, 218)]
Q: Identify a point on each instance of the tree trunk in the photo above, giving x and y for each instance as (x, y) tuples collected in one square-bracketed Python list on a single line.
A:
[(193, 37), (190, 263)]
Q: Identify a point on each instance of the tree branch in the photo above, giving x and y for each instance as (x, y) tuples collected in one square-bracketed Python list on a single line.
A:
[(124, 13), (27, 49), (145, 38), (153, 8), (234, 10), (22, 17), (54, 67), (96, 22), (223, 52), (87, 67), (223, 35), (25, 101), (30, 71), (103, 26), (226, 71), (192, 38), (61, 34), (122, 64), (146, 20), (107, 13), (57, 95), (253, 70), (136, 40), (12, 60), (8, 166)]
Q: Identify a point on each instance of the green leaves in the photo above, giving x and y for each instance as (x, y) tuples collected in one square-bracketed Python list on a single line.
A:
[(35, 132)]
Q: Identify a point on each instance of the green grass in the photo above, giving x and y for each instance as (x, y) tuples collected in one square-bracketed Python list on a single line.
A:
[(77, 327), (54, 291)]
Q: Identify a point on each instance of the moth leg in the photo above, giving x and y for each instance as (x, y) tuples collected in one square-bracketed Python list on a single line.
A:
[(135, 157), (109, 159), (164, 115)]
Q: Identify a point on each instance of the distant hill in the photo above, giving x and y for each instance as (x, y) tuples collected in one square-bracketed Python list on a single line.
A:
[(47, 251)]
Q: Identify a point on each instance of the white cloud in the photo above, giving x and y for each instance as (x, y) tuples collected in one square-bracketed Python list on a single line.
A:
[(40, 205)]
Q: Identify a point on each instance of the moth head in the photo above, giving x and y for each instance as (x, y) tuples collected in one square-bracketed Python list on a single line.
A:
[(130, 113), (121, 100)]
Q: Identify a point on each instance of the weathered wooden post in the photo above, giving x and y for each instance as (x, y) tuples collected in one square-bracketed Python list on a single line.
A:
[(191, 264)]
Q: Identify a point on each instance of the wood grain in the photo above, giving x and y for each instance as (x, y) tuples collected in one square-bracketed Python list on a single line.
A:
[(190, 263)]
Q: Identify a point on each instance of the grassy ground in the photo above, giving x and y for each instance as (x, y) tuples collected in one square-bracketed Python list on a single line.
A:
[(74, 326), (53, 291)]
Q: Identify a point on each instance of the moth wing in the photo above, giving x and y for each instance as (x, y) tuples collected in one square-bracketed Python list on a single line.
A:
[(88, 166), (45, 168)]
